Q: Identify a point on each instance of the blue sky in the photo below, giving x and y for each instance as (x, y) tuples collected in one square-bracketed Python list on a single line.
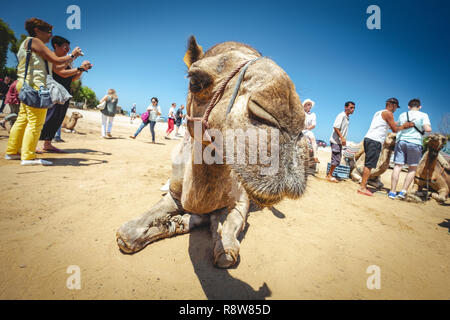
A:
[(137, 48)]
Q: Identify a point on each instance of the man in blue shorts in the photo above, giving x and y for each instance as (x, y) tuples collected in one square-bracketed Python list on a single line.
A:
[(408, 148)]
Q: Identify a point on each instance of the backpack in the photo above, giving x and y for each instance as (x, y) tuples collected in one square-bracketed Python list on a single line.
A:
[(144, 116)]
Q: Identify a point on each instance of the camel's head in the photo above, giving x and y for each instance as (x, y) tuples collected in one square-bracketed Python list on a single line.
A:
[(261, 136), (436, 142), (76, 115), (389, 143)]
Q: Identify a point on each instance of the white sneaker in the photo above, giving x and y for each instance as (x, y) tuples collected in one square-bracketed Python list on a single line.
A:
[(36, 162), (165, 188), (12, 156)]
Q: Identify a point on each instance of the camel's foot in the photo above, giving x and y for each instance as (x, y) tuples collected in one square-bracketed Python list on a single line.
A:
[(226, 252), (225, 228), (132, 237), (410, 197)]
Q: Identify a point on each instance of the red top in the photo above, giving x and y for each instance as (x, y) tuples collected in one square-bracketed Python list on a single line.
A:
[(12, 97)]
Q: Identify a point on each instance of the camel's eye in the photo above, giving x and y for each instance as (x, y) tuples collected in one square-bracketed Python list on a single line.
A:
[(199, 80)]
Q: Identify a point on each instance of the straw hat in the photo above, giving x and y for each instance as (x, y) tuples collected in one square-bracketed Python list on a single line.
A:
[(310, 101)]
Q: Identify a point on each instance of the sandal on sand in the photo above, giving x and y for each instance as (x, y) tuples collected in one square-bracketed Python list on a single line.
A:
[(365, 192), (53, 149)]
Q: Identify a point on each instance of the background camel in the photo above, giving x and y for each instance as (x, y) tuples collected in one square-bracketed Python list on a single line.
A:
[(357, 167), (266, 102), (433, 172), (70, 123)]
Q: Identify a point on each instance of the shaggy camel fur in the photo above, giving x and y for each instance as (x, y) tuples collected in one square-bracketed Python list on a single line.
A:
[(433, 170), (220, 193), (382, 164), (70, 123)]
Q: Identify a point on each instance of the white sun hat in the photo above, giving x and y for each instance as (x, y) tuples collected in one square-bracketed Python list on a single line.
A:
[(310, 101)]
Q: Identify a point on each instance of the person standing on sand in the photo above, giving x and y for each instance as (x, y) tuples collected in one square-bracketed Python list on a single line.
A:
[(109, 112), (170, 120), (179, 119), (64, 75), (25, 133), (408, 147), (4, 87), (12, 100), (310, 123), (153, 111), (374, 139), (133, 113), (338, 137)]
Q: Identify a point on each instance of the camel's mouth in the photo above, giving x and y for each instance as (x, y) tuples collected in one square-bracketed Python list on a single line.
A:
[(286, 179)]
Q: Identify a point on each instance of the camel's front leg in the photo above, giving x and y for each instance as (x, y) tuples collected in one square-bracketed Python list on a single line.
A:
[(355, 176), (412, 196), (442, 193), (226, 225), (376, 183), (165, 219)]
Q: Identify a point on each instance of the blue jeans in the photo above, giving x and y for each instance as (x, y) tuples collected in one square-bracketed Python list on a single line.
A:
[(58, 134), (152, 129)]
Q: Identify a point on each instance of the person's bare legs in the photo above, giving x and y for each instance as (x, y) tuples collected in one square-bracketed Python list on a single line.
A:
[(409, 177), (363, 187), (395, 175), (330, 174)]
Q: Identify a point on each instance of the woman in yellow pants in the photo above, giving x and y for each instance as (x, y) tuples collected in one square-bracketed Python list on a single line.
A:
[(24, 135)]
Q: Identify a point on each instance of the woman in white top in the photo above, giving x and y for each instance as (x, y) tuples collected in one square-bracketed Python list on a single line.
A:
[(310, 123), (154, 111)]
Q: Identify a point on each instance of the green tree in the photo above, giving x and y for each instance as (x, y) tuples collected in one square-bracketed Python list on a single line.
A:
[(6, 37), (15, 44), (75, 88), (90, 99)]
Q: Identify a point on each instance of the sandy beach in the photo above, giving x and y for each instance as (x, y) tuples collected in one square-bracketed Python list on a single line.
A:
[(317, 247)]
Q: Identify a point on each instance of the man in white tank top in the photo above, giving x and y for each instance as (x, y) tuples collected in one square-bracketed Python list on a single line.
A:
[(382, 121)]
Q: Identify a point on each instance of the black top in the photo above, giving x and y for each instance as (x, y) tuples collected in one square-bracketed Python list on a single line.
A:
[(4, 87), (65, 82), (179, 114)]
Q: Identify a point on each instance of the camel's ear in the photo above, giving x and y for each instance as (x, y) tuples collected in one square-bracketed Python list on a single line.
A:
[(194, 52)]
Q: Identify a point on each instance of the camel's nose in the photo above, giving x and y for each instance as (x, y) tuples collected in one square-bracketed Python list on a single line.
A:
[(279, 108)]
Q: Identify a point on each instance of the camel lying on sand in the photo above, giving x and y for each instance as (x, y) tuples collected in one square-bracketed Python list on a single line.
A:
[(433, 170), (265, 103), (382, 164), (69, 123)]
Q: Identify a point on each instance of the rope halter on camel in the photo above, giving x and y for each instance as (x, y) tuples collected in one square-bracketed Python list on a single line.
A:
[(215, 99)]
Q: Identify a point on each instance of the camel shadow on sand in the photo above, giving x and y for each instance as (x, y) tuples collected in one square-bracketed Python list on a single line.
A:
[(219, 284)]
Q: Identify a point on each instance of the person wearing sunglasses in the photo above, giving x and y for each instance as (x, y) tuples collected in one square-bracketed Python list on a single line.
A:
[(26, 131)]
